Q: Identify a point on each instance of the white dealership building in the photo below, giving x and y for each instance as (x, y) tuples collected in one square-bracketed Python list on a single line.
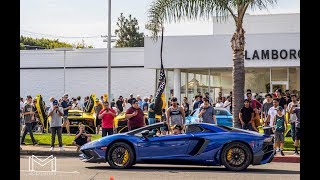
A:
[(193, 64)]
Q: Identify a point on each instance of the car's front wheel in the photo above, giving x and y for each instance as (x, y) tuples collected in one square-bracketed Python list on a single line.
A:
[(120, 156), (236, 156)]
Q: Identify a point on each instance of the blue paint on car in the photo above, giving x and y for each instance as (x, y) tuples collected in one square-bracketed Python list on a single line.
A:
[(200, 144), (223, 116)]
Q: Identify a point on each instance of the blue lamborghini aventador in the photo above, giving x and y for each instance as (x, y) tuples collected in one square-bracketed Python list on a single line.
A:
[(199, 144)]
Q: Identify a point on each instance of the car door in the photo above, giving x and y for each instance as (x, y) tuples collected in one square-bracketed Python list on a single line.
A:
[(223, 117), (161, 147)]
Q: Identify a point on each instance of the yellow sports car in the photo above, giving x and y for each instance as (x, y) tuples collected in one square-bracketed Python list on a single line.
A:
[(75, 117), (120, 122)]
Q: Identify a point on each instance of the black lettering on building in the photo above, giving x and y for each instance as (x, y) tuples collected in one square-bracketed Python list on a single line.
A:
[(299, 53), (274, 54), (293, 54), (255, 55), (246, 55), (283, 54), (265, 54)]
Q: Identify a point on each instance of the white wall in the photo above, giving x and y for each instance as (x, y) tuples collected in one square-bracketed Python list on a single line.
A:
[(261, 24), (82, 57), (83, 82), (127, 77), (215, 51)]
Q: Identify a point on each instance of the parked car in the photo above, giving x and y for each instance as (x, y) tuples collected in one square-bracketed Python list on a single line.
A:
[(201, 144), (223, 116)]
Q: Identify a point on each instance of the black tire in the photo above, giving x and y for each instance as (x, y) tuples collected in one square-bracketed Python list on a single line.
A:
[(239, 158), (117, 152)]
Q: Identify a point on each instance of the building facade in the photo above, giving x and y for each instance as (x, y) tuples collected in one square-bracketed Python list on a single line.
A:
[(199, 64)]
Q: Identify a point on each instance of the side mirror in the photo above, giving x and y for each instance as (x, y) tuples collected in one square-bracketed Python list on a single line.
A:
[(145, 133)]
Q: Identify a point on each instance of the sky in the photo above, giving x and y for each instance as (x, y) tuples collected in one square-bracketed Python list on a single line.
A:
[(76, 20)]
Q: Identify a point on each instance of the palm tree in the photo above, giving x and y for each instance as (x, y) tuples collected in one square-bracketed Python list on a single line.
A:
[(162, 11)]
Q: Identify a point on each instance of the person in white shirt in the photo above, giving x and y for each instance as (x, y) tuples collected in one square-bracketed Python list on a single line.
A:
[(126, 105), (51, 99), (272, 113), (21, 104), (227, 103), (75, 105), (219, 103), (293, 117), (80, 102)]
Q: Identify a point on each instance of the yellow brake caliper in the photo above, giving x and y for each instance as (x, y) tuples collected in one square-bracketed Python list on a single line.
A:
[(125, 157), (229, 155)]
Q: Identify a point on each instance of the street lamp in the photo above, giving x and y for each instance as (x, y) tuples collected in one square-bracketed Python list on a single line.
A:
[(109, 51), (64, 64)]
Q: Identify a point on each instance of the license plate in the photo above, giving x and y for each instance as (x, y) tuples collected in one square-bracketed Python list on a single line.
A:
[(74, 122)]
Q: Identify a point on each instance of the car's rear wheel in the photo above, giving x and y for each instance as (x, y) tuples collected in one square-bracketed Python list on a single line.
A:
[(120, 156), (236, 156)]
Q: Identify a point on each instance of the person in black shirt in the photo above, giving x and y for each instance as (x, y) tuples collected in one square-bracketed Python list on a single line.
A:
[(82, 137), (119, 104), (131, 99), (113, 103), (282, 100), (185, 105), (246, 115)]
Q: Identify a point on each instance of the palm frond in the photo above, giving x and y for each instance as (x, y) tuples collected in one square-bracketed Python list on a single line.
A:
[(162, 11), (176, 10)]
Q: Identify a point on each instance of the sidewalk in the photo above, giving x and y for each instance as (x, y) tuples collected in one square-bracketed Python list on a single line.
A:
[(41, 150), (70, 151)]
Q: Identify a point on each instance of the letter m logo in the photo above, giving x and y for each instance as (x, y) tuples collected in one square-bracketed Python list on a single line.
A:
[(35, 161)]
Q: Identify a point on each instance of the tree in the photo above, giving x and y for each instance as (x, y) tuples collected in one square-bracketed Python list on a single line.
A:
[(81, 45), (47, 43), (175, 10), (127, 32)]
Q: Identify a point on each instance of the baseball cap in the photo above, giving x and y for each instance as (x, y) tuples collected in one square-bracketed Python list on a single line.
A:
[(55, 102), (279, 108), (65, 95), (97, 99)]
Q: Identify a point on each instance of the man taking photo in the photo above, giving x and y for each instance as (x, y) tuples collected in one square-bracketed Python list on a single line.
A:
[(56, 113)]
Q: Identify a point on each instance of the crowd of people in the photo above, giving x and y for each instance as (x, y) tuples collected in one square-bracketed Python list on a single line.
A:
[(271, 109)]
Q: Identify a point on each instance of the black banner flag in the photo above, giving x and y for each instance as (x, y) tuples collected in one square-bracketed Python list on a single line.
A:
[(159, 98)]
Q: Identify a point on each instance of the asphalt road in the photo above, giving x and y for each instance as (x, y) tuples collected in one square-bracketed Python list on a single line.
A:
[(68, 168)]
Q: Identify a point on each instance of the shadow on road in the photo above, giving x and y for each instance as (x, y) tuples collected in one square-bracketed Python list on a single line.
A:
[(194, 169)]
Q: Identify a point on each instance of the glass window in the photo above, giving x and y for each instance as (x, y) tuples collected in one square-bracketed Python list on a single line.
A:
[(258, 80), (193, 129), (279, 74), (220, 112)]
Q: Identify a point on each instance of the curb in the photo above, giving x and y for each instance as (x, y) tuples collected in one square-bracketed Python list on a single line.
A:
[(287, 159), (48, 153)]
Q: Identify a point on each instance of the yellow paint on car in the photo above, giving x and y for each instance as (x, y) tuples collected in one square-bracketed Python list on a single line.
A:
[(125, 158)]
